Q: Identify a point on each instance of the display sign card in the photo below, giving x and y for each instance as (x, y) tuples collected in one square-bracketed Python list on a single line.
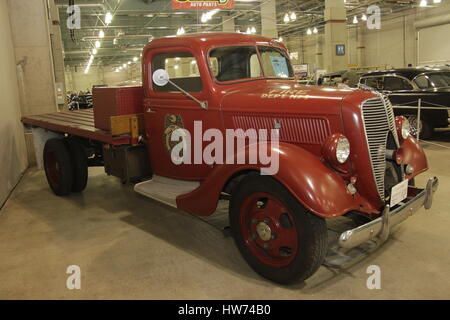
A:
[(399, 193), (300, 70)]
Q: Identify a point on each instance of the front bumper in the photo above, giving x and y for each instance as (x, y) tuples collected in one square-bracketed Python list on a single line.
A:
[(378, 230)]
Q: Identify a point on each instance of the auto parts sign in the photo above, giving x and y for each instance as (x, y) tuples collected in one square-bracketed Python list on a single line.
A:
[(202, 4)]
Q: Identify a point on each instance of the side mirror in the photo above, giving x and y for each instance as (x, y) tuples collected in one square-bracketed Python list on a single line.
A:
[(160, 77)]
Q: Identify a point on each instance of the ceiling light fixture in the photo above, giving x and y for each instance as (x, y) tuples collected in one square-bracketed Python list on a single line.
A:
[(355, 19), (286, 18), (309, 32), (315, 30), (101, 34), (180, 31), (423, 3), (208, 15), (108, 18), (293, 16), (97, 44)]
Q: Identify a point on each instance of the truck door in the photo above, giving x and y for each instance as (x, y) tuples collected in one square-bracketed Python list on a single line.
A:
[(168, 109)]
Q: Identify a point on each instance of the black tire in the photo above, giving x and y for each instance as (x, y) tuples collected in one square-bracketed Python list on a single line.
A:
[(79, 163), (359, 219), (309, 229), (426, 130), (58, 167)]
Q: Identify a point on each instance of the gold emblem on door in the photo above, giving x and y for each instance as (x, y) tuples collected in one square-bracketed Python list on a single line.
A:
[(172, 122)]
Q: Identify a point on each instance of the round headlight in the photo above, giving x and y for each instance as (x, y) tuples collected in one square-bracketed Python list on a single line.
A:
[(406, 128), (342, 150)]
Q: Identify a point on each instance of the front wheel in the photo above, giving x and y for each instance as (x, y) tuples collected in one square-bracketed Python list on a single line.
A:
[(426, 130), (276, 235)]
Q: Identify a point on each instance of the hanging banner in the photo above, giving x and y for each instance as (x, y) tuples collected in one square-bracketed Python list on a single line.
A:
[(202, 4)]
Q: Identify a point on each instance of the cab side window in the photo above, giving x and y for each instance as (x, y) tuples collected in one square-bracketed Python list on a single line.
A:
[(182, 69)]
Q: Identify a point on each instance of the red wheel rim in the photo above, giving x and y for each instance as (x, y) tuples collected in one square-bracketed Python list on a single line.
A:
[(268, 229), (52, 168)]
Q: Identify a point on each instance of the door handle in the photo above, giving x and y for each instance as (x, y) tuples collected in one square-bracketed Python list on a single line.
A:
[(149, 110)]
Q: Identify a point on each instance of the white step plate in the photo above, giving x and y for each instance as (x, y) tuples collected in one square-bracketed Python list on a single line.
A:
[(165, 190)]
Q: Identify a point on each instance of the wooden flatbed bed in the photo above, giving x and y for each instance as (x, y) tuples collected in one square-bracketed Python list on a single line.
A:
[(78, 123)]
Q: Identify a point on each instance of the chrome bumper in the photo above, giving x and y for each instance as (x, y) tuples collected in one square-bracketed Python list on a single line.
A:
[(378, 230)]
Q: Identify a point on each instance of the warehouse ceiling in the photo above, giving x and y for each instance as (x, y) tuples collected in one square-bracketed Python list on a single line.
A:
[(135, 22)]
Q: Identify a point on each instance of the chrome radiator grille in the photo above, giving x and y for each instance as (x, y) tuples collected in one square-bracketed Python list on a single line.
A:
[(378, 118)]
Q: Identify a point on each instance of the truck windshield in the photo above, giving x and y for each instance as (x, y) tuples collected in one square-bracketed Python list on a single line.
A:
[(242, 62), (433, 80)]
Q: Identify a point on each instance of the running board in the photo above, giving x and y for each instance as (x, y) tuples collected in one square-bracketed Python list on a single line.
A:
[(165, 190)]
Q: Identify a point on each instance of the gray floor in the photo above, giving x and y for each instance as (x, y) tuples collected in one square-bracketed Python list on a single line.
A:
[(130, 247)]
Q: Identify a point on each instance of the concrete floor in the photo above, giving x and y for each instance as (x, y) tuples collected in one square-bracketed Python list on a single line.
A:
[(129, 247)]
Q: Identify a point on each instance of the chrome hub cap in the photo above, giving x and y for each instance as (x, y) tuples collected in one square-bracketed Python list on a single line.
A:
[(264, 231)]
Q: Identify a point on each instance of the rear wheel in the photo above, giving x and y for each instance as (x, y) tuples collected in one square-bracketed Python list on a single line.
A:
[(79, 163), (58, 167), (276, 235)]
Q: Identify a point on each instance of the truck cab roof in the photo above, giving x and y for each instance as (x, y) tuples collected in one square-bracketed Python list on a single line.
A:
[(207, 40)]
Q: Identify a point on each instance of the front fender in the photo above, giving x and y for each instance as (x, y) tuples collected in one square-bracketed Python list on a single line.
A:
[(411, 153), (317, 187)]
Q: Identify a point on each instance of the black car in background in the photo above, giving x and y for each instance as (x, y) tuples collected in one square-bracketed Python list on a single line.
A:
[(405, 87), (333, 79)]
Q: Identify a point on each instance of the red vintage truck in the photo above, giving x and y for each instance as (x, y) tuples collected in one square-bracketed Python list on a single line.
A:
[(339, 152)]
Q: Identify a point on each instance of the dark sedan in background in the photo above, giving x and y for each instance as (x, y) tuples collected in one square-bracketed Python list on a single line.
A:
[(405, 87)]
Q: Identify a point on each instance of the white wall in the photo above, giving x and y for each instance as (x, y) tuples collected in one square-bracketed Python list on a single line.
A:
[(77, 80), (13, 155), (394, 45)]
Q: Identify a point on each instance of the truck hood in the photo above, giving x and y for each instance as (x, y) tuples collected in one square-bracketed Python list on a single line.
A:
[(282, 96)]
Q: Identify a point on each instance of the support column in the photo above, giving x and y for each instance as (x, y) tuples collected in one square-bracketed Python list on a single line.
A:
[(269, 19), (228, 24), (57, 53), (335, 34), (32, 46), (319, 51), (360, 48)]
